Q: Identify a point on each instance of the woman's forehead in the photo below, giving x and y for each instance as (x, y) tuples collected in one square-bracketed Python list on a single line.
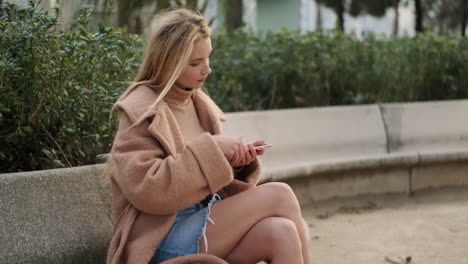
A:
[(201, 49)]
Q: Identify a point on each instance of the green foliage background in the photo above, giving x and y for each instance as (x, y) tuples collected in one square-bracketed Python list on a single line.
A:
[(58, 87), (287, 69)]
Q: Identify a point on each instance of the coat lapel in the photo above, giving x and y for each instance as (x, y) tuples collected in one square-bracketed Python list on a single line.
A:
[(166, 129), (209, 113)]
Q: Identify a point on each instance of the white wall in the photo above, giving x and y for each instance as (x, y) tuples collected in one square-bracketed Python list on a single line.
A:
[(307, 19)]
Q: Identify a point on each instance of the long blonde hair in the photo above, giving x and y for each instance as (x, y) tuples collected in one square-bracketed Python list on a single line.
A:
[(168, 51), (166, 56)]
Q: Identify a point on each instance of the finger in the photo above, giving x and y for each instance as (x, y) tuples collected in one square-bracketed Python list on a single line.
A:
[(248, 157), (229, 156), (241, 150), (253, 152), (258, 143), (260, 151), (243, 158), (235, 159), (248, 154)]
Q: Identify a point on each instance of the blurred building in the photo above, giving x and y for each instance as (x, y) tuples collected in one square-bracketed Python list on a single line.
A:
[(264, 15), (307, 15)]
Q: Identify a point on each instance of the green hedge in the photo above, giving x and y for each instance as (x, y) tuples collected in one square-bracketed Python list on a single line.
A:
[(58, 87), (286, 69)]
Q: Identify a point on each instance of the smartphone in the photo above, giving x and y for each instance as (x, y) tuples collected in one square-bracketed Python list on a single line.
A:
[(263, 146)]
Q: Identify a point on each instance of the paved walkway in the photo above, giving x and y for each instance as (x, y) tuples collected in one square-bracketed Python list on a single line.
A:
[(431, 227)]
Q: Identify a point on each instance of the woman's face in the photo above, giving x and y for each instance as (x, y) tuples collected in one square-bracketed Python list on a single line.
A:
[(197, 70)]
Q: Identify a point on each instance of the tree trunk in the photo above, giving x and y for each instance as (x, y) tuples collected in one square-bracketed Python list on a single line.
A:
[(318, 17), (138, 29), (340, 13), (234, 11), (419, 16), (123, 13), (396, 20), (464, 14)]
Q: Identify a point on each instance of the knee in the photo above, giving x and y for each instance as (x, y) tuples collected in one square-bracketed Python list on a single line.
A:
[(282, 231), (283, 196)]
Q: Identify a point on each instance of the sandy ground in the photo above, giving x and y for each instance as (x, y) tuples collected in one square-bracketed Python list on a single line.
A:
[(430, 227)]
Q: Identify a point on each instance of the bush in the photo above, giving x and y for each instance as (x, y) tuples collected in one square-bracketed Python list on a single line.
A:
[(58, 88), (287, 69)]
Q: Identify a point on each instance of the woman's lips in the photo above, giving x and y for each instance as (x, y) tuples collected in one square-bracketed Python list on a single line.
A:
[(202, 80)]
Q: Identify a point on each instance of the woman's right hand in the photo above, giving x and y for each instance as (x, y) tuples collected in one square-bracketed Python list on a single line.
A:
[(233, 149)]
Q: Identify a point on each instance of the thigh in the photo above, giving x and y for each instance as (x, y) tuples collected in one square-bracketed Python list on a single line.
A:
[(271, 238), (236, 215)]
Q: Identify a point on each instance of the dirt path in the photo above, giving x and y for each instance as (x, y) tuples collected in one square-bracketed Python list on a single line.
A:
[(430, 227)]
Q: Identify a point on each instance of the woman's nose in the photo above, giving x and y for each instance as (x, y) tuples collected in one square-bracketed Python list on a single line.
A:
[(206, 70)]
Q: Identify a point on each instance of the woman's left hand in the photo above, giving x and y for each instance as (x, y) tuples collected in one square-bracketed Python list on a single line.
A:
[(259, 143), (251, 153)]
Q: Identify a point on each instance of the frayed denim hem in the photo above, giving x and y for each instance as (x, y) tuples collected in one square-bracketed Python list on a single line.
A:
[(216, 198), (184, 236)]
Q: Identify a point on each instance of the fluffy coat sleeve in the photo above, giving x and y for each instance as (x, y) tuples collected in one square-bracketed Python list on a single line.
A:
[(157, 183), (244, 179)]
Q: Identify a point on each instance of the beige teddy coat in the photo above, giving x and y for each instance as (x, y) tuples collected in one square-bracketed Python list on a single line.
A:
[(155, 174)]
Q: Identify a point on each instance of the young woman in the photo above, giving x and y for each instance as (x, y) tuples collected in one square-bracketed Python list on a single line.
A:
[(180, 187)]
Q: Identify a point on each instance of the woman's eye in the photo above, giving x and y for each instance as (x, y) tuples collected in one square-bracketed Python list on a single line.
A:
[(194, 64)]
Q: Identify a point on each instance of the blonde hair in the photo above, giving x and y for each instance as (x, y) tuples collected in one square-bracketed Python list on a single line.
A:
[(166, 56), (168, 51)]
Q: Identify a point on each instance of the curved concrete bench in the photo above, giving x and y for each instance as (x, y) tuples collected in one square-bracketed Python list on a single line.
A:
[(350, 150)]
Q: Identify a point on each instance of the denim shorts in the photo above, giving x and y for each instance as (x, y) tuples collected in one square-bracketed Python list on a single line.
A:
[(184, 236)]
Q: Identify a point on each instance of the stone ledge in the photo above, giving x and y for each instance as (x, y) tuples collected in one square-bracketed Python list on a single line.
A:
[(394, 160), (418, 162), (443, 156)]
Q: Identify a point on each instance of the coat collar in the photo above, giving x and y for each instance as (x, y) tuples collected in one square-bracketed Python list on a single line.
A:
[(166, 129)]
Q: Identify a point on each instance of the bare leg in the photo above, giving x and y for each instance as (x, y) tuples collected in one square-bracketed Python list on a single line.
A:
[(274, 239), (238, 214)]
